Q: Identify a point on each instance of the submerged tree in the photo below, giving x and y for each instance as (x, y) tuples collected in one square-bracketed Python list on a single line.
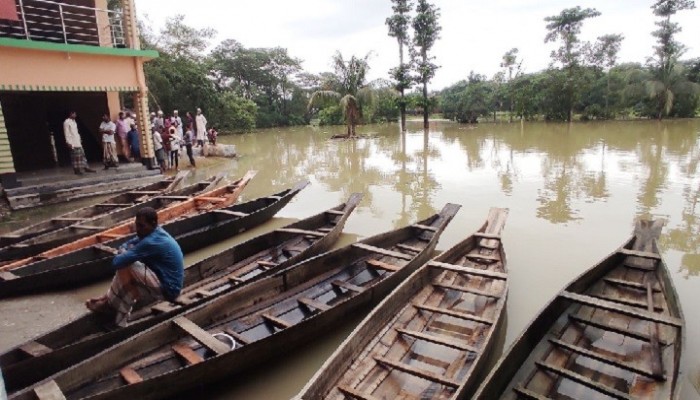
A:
[(348, 86), (426, 32), (667, 78), (513, 70), (566, 27), (398, 25)]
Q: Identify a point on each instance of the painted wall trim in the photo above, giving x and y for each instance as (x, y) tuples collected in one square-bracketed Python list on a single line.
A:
[(48, 88), (76, 48)]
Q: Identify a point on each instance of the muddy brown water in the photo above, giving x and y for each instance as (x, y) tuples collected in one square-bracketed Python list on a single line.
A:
[(573, 192)]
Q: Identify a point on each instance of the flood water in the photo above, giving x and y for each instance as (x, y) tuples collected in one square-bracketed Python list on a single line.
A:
[(573, 192)]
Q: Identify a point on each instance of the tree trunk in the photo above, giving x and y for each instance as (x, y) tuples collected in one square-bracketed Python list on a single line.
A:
[(426, 108), (403, 98)]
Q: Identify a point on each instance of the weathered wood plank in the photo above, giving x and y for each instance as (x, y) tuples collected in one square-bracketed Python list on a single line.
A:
[(448, 342), (469, 270), (529, 394), (130, 376), (277, 322), (482, 258), (628, 284), (578, 378), (482, 235), (210, 199), (201, 336), (313, 304), (464, 289), (35, 349), (379, 250), (642, 254), (105, 248), (347, 285), (189, 355), (49, 391), (266, 263), (382, 265), (656, 361), (613, 329), (627, 302), (239, 338), (425, 227), (417, 372), (409, 248), (455, 314), (234, 213), (335, 212), (631, 312), (605, 359), (301, 232)]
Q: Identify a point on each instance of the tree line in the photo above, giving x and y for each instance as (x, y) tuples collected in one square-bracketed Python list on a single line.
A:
[(241, 88), (585, 78)]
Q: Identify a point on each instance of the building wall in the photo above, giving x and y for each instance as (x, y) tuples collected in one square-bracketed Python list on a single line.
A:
[(27, 69)]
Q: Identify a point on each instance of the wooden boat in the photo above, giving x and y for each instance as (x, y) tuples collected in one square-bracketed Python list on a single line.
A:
[(431, 337), (192, 233), (265, 319), (214, 276), (616, 331), (119, 201), (58, 237), (217, 198)]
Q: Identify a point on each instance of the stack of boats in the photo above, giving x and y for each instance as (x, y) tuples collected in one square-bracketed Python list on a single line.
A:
[(615, 331)]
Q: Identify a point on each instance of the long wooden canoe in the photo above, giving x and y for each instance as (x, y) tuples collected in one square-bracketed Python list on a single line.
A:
[(38, 244), (216, 198), (192, 233), (119, 201), (219, 274), (614, 332), (264, 319), (431, 337)]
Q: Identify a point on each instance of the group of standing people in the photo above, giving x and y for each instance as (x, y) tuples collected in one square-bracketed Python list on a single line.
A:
[(123, 129), (170, 134)]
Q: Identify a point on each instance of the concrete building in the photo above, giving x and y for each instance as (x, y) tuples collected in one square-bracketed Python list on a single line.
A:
[(62, 56)]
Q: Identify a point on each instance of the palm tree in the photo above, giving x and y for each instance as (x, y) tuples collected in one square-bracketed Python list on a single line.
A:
[(347, 85)]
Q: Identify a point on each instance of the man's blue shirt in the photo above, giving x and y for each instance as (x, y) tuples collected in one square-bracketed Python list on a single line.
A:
[(161, 253)]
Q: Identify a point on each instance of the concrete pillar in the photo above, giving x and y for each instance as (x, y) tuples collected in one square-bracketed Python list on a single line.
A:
[(143, 121), (8, 176), (131, 31)]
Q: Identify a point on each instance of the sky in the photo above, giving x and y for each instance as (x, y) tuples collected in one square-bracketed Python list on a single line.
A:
[(474, 37)]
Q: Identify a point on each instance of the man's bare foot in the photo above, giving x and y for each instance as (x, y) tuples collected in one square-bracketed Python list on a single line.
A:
[(99, 305)]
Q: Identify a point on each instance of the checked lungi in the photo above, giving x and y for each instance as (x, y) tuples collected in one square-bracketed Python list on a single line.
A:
[(77, 156), (131, 284), (109, 154)]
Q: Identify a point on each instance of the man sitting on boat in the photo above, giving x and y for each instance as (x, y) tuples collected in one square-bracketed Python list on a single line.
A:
[(149, 267)]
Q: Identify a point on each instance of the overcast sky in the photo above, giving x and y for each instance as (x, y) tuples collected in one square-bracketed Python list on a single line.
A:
[(475, 34)]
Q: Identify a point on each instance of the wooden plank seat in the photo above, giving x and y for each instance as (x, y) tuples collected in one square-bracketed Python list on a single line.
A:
[(201, 336), (88, 227), (482, 258), (49, 391), (113, 205), (346, 285), (409, 248), (108, 236), (464, 289), (355, 394), (163, 307), (234, 213), (421, 373), (578, 378), (604, 359), (447, 342), (35, 349), (275, 321), (130, 375), (67, 219), (265, 263), (627, 302), (239, 338), (614, 329), (482, 235), (455, 314), (624, 310), (335, 212), (145, 192), (301, 232), (324, 229), (379, 250), (469, 271), (425, 227), (176, 198), (641, 254), (628, 284), (382, 265), (189, 355), (312, 304)]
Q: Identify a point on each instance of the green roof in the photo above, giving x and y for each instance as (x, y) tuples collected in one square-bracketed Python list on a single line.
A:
[(76, 48)]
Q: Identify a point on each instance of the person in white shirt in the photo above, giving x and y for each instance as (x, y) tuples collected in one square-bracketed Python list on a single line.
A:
[(201, 125), (109, 144), (75, 144), (177, 123), (158, 148)]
